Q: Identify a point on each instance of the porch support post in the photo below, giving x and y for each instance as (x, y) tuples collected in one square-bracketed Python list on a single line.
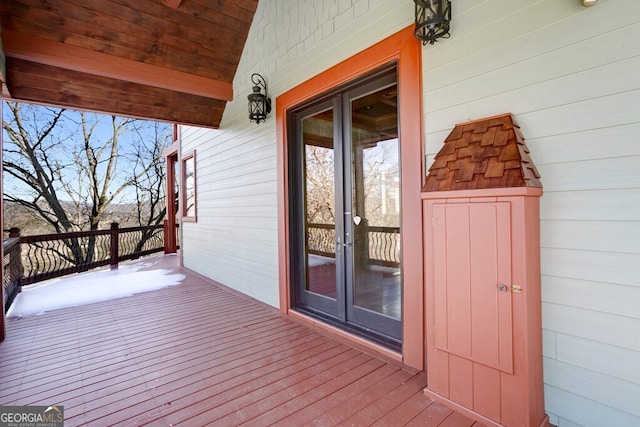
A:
[(171, 158), (114, 245)]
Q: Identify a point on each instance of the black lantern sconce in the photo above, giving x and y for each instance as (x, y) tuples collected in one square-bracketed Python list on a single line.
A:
[(432, 20), (259, 104)]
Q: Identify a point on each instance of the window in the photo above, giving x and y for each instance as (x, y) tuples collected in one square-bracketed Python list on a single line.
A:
[(188, 196)]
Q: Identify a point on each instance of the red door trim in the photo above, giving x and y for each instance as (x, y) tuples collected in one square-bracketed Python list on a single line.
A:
[(406, 50)]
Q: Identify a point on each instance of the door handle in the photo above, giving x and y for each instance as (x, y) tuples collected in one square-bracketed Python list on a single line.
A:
[(513, 288), (339, 243)]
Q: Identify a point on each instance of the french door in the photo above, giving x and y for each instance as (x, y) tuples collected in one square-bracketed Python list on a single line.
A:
[(345, 208)]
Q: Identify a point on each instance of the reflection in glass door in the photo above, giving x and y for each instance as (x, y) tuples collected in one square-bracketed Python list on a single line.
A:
[(376, 223), (372, 193), (346, 209), (318, 179)]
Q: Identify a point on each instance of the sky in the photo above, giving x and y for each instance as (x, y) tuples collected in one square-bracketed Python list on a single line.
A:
[(68, 134)]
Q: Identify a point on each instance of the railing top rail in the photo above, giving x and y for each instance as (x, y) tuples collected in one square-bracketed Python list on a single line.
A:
[(10, 243), (140, 228), (76, 234), (60, 236)]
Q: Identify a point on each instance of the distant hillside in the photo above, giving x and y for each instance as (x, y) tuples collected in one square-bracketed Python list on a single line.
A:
[(30, 223)]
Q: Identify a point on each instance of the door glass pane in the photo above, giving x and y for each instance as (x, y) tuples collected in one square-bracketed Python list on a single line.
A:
[(375, 216), (320, 206)]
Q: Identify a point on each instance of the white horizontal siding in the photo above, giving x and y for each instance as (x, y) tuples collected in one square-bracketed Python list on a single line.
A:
[(591, 144), (571, 77), (580, 411), (235, 239), (601, 174), (604, 236), (599, 327), (594, 296), (591, 205), (549, 348), (612, 106), (608, 267), (596, 356), (593, 386)]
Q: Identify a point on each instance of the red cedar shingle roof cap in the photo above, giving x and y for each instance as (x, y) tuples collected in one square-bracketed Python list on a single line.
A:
[(483, 154)]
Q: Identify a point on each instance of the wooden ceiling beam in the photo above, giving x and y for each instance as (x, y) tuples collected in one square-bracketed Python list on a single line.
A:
[(49, 52), (174, 4), (43, 84), (3, 72)]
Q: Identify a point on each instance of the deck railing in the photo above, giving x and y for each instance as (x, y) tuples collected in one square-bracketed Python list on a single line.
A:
[(12, 267), (30, 259), (383, 243), (52, 255)]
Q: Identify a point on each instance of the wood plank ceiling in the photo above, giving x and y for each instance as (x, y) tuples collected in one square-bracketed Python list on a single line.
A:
[(167, 60)]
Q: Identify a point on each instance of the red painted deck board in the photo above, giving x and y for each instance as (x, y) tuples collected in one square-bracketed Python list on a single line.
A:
[(197, 354)]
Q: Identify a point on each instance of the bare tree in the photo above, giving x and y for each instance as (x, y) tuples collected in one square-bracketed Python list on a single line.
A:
[(70, 168), (148, 177)]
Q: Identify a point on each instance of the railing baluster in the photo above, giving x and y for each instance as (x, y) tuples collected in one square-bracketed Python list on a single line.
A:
[(113, 253)]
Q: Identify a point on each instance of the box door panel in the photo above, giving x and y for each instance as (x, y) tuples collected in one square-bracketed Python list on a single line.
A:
[(473, 261)]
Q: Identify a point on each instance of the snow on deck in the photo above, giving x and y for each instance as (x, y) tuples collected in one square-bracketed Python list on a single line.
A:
[(92, 286)]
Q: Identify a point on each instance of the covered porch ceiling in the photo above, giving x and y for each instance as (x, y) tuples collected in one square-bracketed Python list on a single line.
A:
[(167, 60)]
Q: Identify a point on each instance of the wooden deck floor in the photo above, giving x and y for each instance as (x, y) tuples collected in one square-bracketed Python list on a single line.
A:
[(197, 354)]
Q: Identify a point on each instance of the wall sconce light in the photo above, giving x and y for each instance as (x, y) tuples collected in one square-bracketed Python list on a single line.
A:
[(432, 20), (259, 104), (587, 3)]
